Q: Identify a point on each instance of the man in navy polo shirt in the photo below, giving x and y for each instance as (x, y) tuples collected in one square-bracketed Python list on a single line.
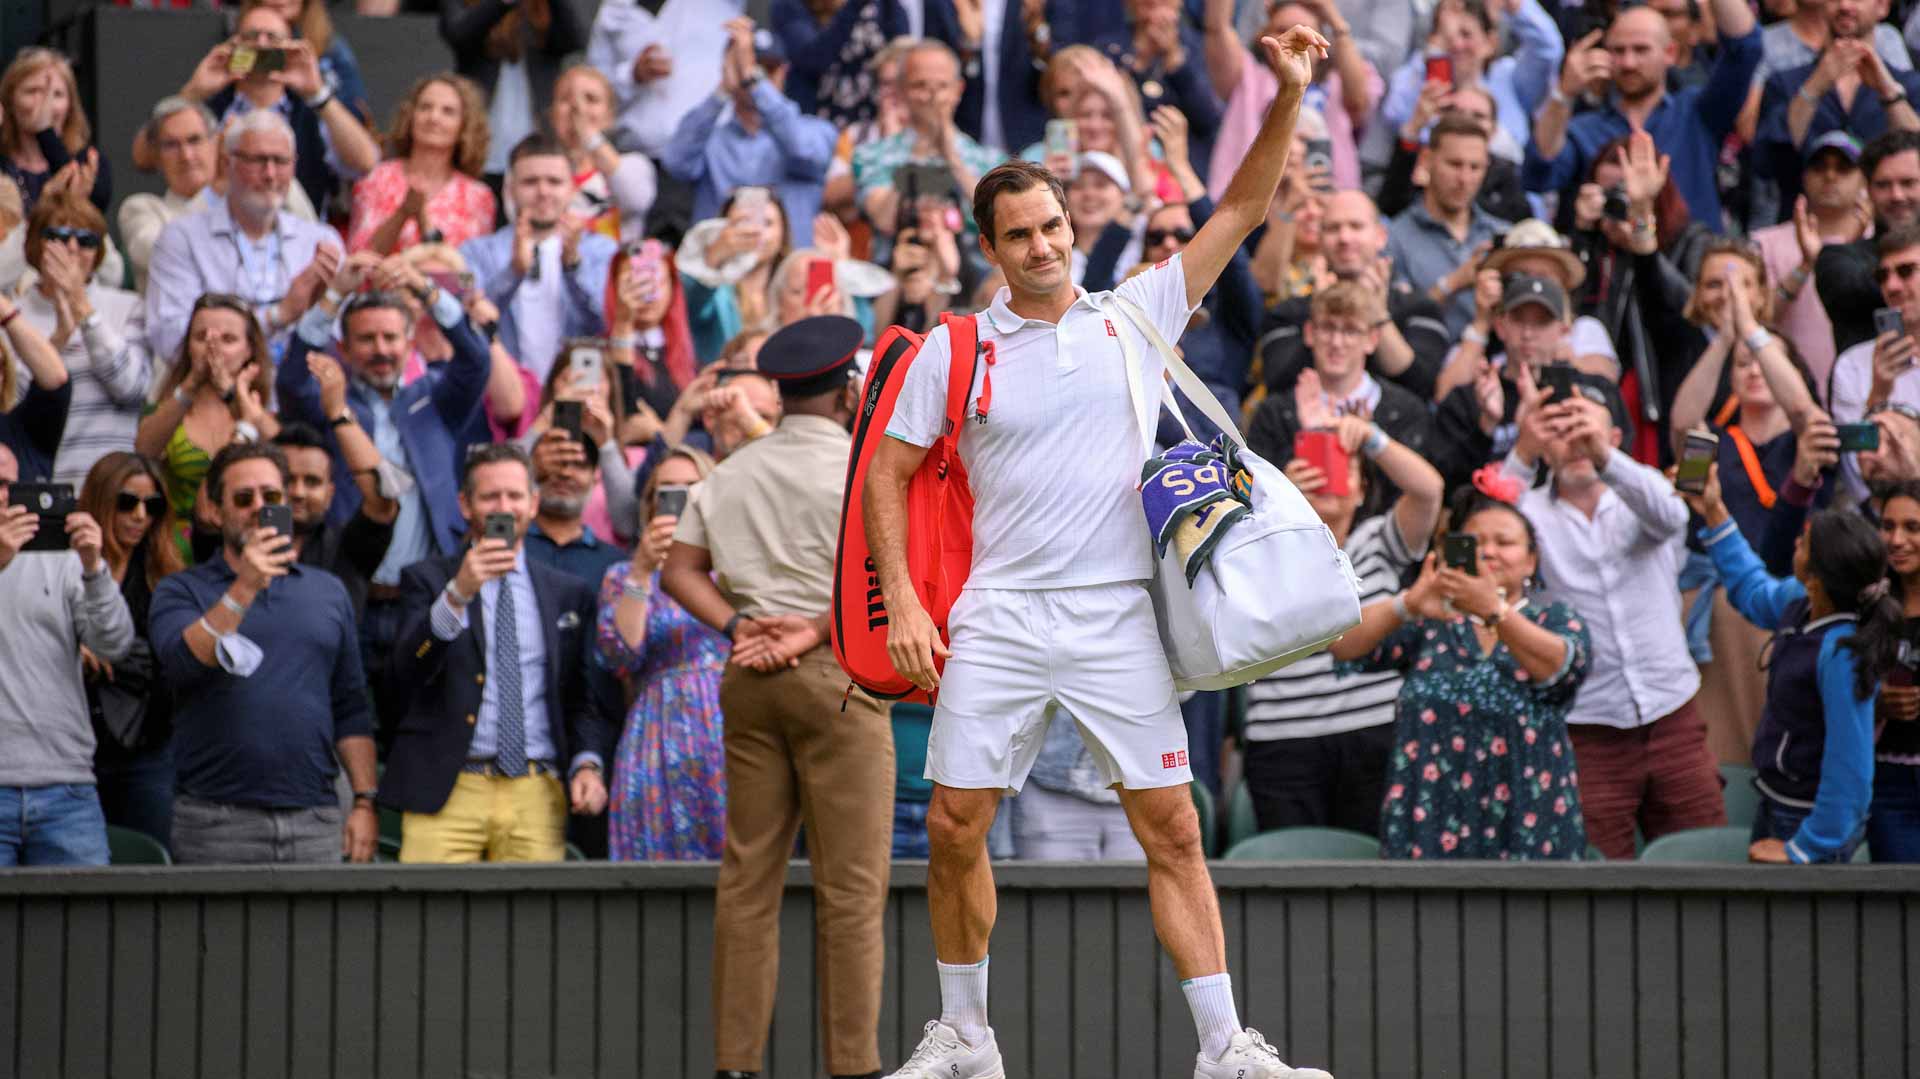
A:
[(264, 664), (1630, 72)]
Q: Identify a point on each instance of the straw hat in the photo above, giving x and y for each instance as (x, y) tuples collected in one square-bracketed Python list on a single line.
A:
[(1534, 237)]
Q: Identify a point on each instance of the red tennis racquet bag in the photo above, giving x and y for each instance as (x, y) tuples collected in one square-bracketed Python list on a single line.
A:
[(939, 514)]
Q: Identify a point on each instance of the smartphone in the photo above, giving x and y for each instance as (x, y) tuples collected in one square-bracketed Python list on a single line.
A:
[(277, 516), (1063, 137), (1558, 379), (1888, 320), (1440, 69), (270, 60), (51, 502), (588, 362), (500, 526), (1696, 461), (1322, 450), (567, 416), (1901, 673), (751, 198), (1856, 437), (1616, 207), (670, 501), (1462, 552), (819, 276), (1320, 163)]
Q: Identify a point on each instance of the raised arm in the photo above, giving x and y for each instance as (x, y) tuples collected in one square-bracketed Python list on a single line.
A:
[(1244, 204), (1695, 396), (1226, 57)]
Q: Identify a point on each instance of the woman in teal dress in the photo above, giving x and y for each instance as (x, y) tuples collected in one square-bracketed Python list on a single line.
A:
[(1481, 766), (669, 797)]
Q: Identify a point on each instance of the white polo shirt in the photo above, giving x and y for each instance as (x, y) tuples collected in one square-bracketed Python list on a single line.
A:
[(1055, 467)]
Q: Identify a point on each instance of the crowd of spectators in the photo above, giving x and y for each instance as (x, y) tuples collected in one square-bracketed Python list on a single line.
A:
[(360, 470)]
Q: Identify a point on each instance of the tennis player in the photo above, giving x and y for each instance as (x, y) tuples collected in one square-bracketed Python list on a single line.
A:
[(1056, 614)]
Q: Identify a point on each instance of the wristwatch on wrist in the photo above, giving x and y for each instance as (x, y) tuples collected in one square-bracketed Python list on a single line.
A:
[(366, 796), (319, 100), (733, 624), (345, 417)]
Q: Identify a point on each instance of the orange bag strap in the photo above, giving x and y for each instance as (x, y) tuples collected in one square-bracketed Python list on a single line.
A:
[(963, 335), (1748, 457)]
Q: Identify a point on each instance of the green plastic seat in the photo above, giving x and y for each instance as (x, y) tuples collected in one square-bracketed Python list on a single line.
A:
[(575, 854), (1742, 797), (128, 847), (1209, 812), (1305, 845), (1700, 845), (1241, 822)]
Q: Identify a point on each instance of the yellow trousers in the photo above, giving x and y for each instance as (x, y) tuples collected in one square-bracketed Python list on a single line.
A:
[(493, 819)]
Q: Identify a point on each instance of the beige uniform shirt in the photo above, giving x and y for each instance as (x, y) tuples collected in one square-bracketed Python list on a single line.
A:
[(769, 516)]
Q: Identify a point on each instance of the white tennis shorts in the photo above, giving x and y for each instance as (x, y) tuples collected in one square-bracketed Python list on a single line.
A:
[(1021, 655)]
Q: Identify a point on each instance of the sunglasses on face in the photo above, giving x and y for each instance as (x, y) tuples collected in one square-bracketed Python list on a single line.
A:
[(270, 496), (1904, 271), (127, 502), (86, 238), (1156, 237)]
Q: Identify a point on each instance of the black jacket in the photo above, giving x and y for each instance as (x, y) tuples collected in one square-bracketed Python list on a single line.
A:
[(1283, 355), (465, 26), (1400, 414), (440, 682)]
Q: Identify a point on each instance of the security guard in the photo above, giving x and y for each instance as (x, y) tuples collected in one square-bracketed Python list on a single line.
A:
[(753, 557)]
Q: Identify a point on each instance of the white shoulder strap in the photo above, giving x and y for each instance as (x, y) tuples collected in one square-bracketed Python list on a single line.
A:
[(1182, 375)]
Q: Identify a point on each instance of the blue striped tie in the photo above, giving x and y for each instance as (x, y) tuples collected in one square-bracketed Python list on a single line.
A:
[(510, 732)]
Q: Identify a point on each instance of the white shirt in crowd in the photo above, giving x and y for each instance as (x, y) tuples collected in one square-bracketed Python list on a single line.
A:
[(1847, 392), (1056, 464), (1618, 571), (691, 30), (1306, 699), (107, 365), (539, 309)]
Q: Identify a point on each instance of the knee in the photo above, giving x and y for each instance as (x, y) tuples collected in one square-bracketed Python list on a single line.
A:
[(957, 826), (1170, 834)]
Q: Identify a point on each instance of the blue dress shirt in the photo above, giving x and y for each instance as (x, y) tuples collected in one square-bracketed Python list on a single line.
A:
[(790, 154)]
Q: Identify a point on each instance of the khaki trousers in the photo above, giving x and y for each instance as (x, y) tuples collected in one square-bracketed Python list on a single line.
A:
[(491, 818), (793, 756)]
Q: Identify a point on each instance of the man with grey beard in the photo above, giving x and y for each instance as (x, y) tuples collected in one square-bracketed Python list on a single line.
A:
[(246, 244), (416, 427), (565, 472)]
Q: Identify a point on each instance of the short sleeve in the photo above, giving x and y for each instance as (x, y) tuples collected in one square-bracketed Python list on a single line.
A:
[(1162, 293), (920, 411), (1590, 339), (1564, 622), (692, 529)]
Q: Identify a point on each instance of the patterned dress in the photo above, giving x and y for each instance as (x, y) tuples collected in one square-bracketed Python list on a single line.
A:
[(1482, 766), (669, 797)]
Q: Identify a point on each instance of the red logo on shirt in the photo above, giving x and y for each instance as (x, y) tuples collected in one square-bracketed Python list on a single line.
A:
[(1173, 760), (1110, 330), (1162, 264)]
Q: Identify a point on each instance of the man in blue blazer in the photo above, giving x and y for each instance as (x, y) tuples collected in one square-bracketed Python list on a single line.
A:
[(496, 655), (416, 426), (547, 276)]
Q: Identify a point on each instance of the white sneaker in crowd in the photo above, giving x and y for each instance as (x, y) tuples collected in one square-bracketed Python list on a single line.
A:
[(1248, 1056), (942, 1055)]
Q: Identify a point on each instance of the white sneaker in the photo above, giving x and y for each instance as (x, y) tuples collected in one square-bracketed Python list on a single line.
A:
[(1248, 1056), (942, 1055)]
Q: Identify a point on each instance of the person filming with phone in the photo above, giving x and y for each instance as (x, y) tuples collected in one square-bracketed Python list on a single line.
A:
[(1612, 538), (506, 727), (1881, 371), (263, 660), (55, 603)]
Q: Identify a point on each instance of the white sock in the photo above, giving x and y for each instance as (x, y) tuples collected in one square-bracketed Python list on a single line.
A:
[(963, 999), (1211, 999)]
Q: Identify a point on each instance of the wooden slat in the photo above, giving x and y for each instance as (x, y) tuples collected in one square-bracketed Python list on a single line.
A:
[(399, 1012), (1749, 1023), (1309, 980), (1483, 996), (488, 987), (1260, 967), (133, 1000), (11, 971), (576, 984), (890, 1021), (1615, 1019), (1136, 971), (1885, 1011), (362, 973), (265, 1051), (1790, 963), (1050, 960), (223, 987), (324, 964), (666, 1047), (1657, 976), (1351, 1003), (1094, 989), (530, 1001), (919, 993), (1396, 978), (42, 926), (442, 1046), (1528, 1047), (1439, 1006), (1703, 988), (696, 927), (1836, 1030), (790, 1042), (176, 1005), (89, 955), (1570, 984), (624, 960)]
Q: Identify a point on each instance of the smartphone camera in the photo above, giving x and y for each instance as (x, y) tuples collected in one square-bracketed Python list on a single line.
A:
[(52, 503), (500, 526), (568, 417), (1558, 380), (670, 501), (1888, 320), (1858, 437), (1616, 208), (1462, 552)]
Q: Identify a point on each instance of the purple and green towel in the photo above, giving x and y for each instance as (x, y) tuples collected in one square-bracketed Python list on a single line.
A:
[(1193, 494)]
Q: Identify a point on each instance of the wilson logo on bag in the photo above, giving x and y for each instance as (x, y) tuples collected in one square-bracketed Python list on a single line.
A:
[(939, 514)]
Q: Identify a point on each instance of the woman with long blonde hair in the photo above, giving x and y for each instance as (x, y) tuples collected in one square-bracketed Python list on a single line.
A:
[(429, 187), (44, 133)]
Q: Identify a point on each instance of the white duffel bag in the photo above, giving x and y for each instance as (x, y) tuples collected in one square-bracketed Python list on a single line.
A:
[(1277, 587)]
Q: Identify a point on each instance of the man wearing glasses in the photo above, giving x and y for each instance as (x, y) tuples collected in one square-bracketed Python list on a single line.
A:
[(1880, 370), (264, 664), (247, 244)]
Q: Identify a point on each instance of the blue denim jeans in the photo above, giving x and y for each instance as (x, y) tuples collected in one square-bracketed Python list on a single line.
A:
[(57, 825), (1776, 821), (909, 829), (1893, 824)]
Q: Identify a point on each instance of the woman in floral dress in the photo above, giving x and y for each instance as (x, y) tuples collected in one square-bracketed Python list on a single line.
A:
[(669, 799), (1482, 766)]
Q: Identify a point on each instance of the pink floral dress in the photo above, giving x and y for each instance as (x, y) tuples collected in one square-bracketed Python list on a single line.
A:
[(462, 209)]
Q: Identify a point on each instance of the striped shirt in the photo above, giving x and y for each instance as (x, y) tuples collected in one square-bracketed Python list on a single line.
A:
[(109, 368), (1307, 699)]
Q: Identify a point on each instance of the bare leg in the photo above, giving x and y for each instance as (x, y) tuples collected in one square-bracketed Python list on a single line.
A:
[(960, 895), (1186, 912)]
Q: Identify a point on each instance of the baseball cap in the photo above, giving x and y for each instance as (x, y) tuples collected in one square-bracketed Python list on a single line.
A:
[(1107, 165), (1836, 139), (1520, 289)]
